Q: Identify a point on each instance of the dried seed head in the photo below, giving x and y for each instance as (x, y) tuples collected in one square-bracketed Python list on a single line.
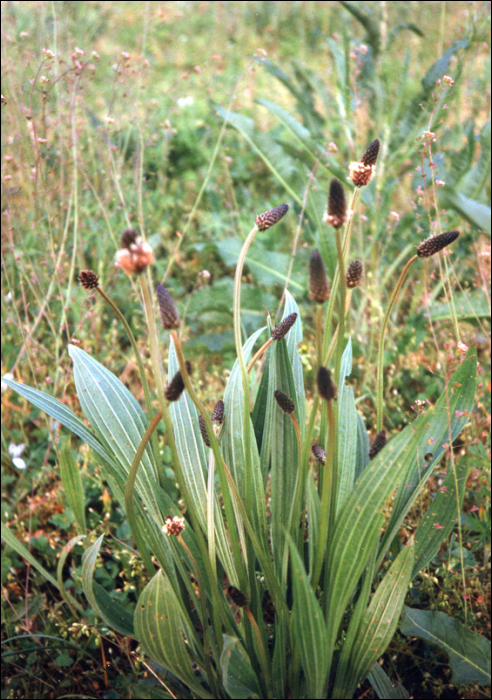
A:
[(379, 442), (176, 386), (88, 279), (360, 173), (135, 255), (129, 237), (336, 212), (319, 453), (354, 272), (319, 287), (203, 430), (218, 414), (271, 217), (326, 386), (284, 326), (237, 597), (167, 310), (284, 401), (434, 244), (173, 526)]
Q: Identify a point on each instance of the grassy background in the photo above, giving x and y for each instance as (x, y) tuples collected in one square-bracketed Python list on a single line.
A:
[(124, 127)]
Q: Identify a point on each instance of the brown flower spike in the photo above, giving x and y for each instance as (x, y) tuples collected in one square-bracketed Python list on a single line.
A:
[(176, 386), (361, 173), (173, 526), (379, 442), (336, 212), (284, 326), (326, 386), (285, 402), (203, 430), (319, 287), (218, 412), (353, 275), (135, 255), (88, 279), (167, 310), (434, 244), (270, 218), (319, 453)]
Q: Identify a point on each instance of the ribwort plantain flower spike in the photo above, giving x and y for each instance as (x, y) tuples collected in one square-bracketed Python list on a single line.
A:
[(270, 218), (203, 430), (218, 412), (167, 310), (353, 275), (284, 326), (135, 254), (173, 526), (336, 213), (88, 279), (237, 597), (361, 173), (326, 386), (319, 286), (434, 244), (319, 453), (285, 402), (379, 442), (176, 386)]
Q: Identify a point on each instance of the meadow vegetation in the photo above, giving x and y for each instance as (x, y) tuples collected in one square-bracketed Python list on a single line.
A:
[(184, 121)]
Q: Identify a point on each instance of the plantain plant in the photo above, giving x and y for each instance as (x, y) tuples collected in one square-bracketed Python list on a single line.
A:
[(277, 573)]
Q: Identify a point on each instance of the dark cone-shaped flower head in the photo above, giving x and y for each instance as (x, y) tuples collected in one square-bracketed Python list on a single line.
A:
[(284, 326), (135, 254), (434, 244), (88, 279), (173, 526), (319, 453), (271, 217), (326, 386), (379, 442), (319, 287), (167, 310), (237, 597), (284, 402), (354, 272), (360, 173), (336, 212), (371, 153), (218, 413), (129, 237), (176, 386), (203, 430)]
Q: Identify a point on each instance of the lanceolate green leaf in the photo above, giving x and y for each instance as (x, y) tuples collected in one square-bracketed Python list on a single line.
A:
[(193, 460), (238, 676), (468, 652), (381, 618), (360, 514), (384, 687), (455, 404), (441, 516), (114, 614), (362, 459), (308, 629), (166, 633), (347, 430), (72, 485), (117, 418)]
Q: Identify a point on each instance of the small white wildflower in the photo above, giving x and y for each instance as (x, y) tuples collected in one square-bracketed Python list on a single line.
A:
[(7, 375), (15, 452), (185, 101)]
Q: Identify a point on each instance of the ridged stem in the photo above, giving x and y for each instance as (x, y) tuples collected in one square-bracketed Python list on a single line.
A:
[(380, 378)]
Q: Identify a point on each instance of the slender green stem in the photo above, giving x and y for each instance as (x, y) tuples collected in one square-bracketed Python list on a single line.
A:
[(257, 355), (341, 307), (130, 484), (325, 498), (319, 334), (380, 378), (138, 358)]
